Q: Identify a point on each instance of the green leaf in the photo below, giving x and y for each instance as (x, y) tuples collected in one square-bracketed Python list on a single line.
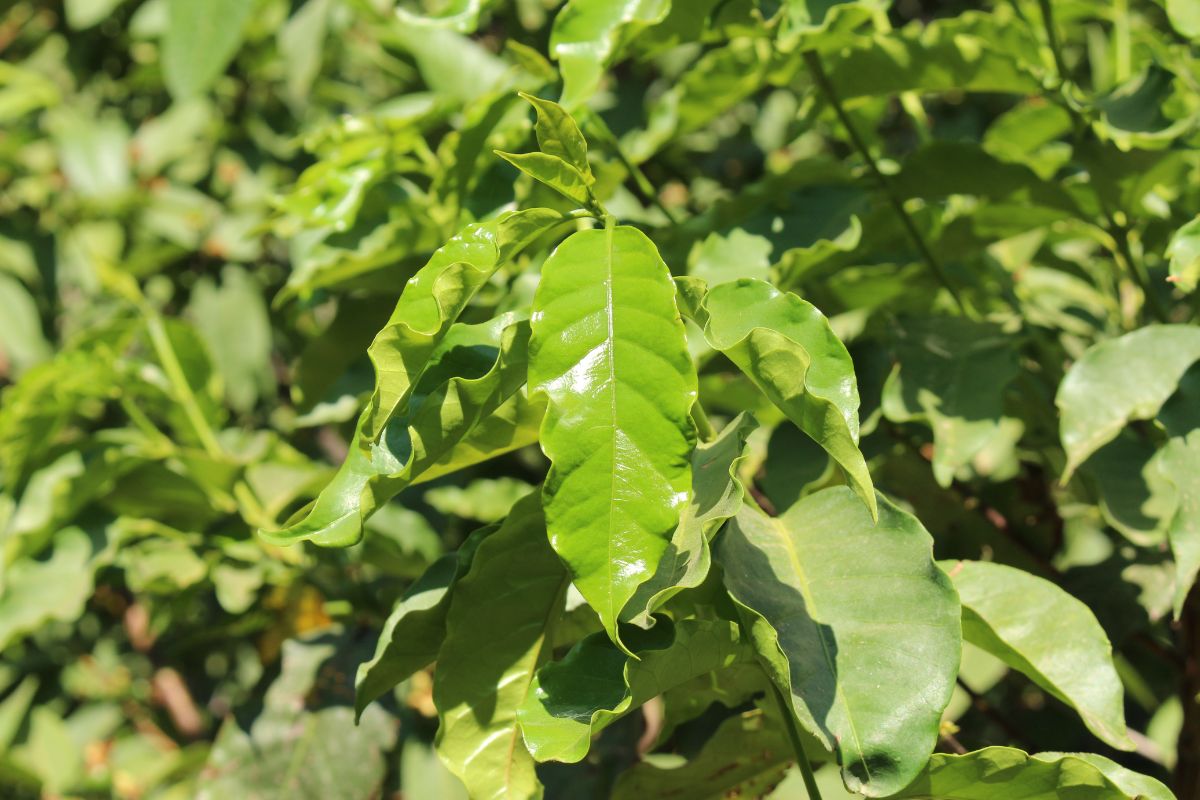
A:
[(588, 34), (1179, 464), (855, 623), (1119, 380), (1184, 252), (556, 173), (716, 496), (497, 635), (786, 347), (432, 301), (746, 757), (22, 343), (233, 322), (448, 410), (952, 374), (458, 15), (1005, 773), (559, 135), (200, 41), (484, 499), (726, 258), (1185, 18), (35, 593), (595, 684), (609, 352), (1047, 635), (415, 629)]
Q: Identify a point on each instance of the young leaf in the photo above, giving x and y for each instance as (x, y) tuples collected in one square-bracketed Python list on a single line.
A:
[(1119, 380), (497, 634), (560, 176), (595, 684), (786, 347), (559, 135), (1048, 636), (1179, 463), (716, 496), (608, 350), (414, 631), (427, 438), (588, 34), (1005, 773), (200, 41), (432, 301), (855, 623)]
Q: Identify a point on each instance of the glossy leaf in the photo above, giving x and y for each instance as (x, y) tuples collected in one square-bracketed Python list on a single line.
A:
[(608, 351), (785, 345), (1120, 380), (575, 698), (200, 41), (432, 301), (855, 623), (1047, 635), (716, 496), (556, 173), (1004, 773), (587, 36), (414, 631), (497, 633), (951, 374), (428, 437), (559, 135)]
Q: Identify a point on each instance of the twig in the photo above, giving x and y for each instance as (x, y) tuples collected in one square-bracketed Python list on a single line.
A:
[(789, 722)]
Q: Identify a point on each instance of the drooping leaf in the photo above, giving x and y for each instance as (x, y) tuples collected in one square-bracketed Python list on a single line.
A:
[(1184, 252), (1005, 773), (951, 374), (786, 347), (716, 496), (432, 301), (587, 36), (1046, 634), (449, 410), (414, 631), (497, 633), (608, 350), (855, 623), (575, 698), (1179, 464), (200, 41), (1120, 380)]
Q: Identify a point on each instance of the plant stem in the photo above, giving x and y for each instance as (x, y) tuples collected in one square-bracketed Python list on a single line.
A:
[(1052, 38), (644, 187), (704, 426), (789, 722), (823, 83)]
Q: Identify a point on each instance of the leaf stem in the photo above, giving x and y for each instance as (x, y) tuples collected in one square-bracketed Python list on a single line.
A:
[(826, 87), (789, 722), (644, 187)]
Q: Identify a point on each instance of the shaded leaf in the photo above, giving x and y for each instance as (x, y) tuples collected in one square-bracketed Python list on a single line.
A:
[(1179, 464), (855, 623), (608, 350)]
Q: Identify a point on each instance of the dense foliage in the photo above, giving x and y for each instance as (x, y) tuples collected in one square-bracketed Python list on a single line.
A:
[(609, 398)]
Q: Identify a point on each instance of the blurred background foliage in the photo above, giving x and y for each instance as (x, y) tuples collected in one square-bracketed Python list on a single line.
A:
[(207, 209)]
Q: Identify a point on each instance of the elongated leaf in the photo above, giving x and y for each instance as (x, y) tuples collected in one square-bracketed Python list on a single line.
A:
[(785, 345), (415, 629), (556, 173), (427, 438), (608, 350), (201, 39), (1179, 464), (1184, 252), (1004, 773), (588, 34), (855, 623), (1047, 635), (559, 135), (1120, 380), (716, 496), (951, 374), (496, 637), (432, 301), (595, 684)]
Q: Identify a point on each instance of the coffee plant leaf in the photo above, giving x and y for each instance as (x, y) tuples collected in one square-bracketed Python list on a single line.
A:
[(558, 135), (199, 42), (1118, 381), (498, 632), (786, 347), (825, 579), (1184, 252), (461, 16), (608, 351), (1179, 465), (558, 174), (1076, 667)]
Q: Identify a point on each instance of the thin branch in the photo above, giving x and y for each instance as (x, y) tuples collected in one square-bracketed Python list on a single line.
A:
[(789, 721)]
